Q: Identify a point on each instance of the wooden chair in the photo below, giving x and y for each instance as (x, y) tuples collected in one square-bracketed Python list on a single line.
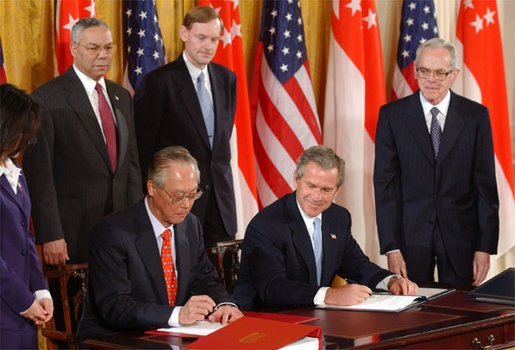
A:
[(76, 274), (228, 256)]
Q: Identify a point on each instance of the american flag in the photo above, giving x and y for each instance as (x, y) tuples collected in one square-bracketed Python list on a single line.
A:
[(483, 79), (3, 78), (144, 43), (355, 91), (68, 12), (283, 105), (418, 24)]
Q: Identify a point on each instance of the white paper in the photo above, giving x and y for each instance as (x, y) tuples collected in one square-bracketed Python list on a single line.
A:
[(305, 343), (197, 328), (379, 302)]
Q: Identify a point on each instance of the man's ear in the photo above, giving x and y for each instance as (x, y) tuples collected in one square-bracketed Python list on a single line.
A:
[(151, 188), (183, 33)]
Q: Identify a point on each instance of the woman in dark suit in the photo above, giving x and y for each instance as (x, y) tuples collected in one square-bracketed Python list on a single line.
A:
[(25, 300)]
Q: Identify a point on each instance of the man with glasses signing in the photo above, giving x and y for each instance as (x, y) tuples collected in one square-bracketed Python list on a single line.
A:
[(148, 267), (434, 178)]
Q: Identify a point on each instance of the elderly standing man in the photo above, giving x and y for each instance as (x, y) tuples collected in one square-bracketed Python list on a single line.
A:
[(148, 266), (434, 178), (294, 248)]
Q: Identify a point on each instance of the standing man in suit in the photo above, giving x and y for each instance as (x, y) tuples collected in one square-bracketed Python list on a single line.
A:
[(85, 163), (191, 102), (434, 178), (148, 266), (294, 248)]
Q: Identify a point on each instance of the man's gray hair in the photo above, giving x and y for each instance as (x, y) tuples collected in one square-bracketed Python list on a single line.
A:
[(85, 23), (162, 159), (324, 157), (437, 43)]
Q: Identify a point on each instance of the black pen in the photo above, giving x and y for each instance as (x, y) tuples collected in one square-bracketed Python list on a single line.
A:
[(349, 281)]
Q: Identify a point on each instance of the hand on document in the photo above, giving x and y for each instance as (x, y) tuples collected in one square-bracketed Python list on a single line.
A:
[(200, 307), (225, 314), (402, 286), (350, 294)]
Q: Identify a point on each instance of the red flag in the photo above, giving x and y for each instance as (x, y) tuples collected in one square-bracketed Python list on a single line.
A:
[(355, 91), (483, 80), (230, 54), (283, 107), (68, 12), (3, 78)]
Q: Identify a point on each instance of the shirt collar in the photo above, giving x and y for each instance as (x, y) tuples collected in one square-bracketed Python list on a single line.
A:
[(9, 168), (157, 227), (88, 83), (194, 70), (443, 106)]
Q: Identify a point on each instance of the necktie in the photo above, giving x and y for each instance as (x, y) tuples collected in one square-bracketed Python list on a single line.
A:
[(317, 247), (168, 267), (436, 132), (207, 107), (106, 117)]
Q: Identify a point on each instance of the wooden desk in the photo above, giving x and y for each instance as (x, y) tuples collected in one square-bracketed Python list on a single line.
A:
[(448, 322)]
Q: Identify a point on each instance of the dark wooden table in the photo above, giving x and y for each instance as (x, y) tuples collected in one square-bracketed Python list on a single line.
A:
[(451, 321)]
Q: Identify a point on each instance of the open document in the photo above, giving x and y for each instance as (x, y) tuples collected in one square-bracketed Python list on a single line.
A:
[(392, 303)]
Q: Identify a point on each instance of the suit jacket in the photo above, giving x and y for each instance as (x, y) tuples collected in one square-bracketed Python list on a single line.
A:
[(126, 283), (68, 170), (278, 265), (20, 269), (168, 112), (414, 192)]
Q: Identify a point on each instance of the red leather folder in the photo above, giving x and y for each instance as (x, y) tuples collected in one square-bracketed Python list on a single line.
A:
[(256, 333)]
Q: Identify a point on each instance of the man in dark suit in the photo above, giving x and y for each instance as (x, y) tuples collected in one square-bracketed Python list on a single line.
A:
[(434, 178), (191, 102), (85, 163), (294, 248), (130, 285)]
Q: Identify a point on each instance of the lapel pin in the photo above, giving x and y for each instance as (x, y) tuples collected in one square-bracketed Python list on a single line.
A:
[(116, 98), (333, 236)]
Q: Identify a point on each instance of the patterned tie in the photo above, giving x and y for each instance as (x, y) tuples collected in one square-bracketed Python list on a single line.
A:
[(317, 247), (207, 107), (436, 132), (106, 116), (168, 267)]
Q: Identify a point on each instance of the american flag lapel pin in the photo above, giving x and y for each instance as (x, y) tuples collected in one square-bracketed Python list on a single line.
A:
[(333, 236)]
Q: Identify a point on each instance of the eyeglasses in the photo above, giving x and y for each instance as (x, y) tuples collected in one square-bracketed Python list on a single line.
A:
[(96, 49), (181, 197), (425, 73)]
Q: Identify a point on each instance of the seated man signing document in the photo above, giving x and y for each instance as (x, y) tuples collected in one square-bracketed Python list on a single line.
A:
[(294, 248), (148, 267)]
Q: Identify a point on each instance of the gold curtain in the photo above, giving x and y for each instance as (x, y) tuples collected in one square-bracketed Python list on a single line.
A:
[(27, 33)]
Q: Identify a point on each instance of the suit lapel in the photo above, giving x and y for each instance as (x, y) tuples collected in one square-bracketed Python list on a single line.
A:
[(19, 198), (417, 125), (301, 239), (79, 102), (122, 130), (218, 89), (453, 125), (149, 253), (192, 104), (330, 248), (183, 261)]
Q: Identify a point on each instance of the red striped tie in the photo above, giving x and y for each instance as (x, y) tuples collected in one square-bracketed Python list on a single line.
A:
[(106, 117), (168, 267)]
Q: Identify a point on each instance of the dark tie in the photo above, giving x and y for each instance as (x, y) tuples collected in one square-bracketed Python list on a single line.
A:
[(168, 268), (436, 132), (106, 116), (317, 247), (207, 107)]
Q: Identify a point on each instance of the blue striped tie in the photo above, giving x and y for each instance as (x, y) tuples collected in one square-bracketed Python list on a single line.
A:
[(317, 247), (436, 132), (207, 107)]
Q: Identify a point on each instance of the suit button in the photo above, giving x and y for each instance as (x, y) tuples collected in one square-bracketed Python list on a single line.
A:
[(24, 252), (431, 222), (23, 223), (206, 188)]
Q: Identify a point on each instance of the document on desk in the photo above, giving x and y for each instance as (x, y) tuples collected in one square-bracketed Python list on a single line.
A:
[(199, 328), (382, 302)]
